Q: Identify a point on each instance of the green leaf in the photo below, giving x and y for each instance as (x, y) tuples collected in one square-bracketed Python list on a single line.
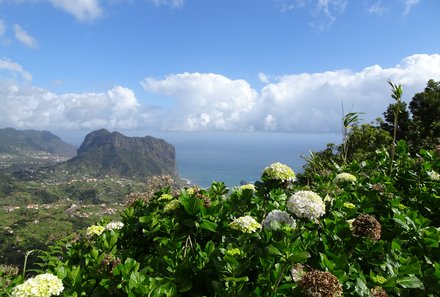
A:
[(273, 250), (144, 219), (209, 248), (412, 266), (300, 257), (209, 225), (410, 282), (192, 205), (237, 279), (136, 280), (361, 288), (61, 272)]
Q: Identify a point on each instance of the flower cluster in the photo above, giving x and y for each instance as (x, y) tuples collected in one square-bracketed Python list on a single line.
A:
[(344, 178), (43, 285), (248, 187), (246, 224), (114, 226), (171, 206), (366, 226), (165, 197), (233, 252), (276, 218), (320, 283), (278, 172), (306, 204), (349, 205), (95, 230), (434, 175), (378, 292)]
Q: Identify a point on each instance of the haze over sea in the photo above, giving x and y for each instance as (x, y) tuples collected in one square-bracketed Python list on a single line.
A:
[(232, 157)]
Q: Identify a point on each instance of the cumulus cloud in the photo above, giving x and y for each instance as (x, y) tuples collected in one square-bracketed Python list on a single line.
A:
[(22, 36), (82, 10), (204, 101), (27, 106), (304, 102), (307, 102)]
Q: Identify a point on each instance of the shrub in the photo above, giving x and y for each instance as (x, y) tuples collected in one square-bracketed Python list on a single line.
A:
[(377, 236)]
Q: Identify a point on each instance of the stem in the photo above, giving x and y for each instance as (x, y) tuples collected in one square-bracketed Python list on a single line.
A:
[(397, 95), (274, 290), (25, 261)]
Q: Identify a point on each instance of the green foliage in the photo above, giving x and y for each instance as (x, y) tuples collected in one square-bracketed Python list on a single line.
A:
[(183, 244), (396, 95), (350, 120), (425, 109), (403, 121)]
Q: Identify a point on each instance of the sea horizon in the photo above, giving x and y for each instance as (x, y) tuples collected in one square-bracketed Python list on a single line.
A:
[(234, 157)]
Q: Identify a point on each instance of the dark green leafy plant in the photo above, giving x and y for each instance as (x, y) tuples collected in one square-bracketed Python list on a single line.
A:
[(378, 234)]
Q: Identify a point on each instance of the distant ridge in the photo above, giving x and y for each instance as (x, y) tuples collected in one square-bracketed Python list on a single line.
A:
[(14, 141), (112, 153)]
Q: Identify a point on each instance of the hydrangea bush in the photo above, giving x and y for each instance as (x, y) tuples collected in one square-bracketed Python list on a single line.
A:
[(379, 236)]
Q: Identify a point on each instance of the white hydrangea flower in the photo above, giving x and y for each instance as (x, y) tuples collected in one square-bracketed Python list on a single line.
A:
[(95, 230), (282, 217), (434, 175), (306, 204), (246, 224), (278, 171), (43, 285), (114, 226), (344, 178)]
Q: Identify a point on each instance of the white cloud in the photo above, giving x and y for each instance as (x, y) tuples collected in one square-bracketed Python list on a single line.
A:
[(305, 102), (172, 3), (325, 12), (409, 5), (26, 106), (22, 36), (377, 8), (82, 10), (14, 68), (2, 28), (205, 101), (263, 77)]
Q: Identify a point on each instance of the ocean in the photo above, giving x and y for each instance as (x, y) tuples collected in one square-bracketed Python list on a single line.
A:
[(233, 157)]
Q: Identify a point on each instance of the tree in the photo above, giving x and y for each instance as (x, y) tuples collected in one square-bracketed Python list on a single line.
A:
[(364, 140), (403, 122), (425, 109)]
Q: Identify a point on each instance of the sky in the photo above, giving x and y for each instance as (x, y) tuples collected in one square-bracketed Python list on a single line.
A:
[(210, 65)]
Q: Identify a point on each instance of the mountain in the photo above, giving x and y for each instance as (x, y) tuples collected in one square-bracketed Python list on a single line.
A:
[(104, 153), (25, 149), (14, 141)]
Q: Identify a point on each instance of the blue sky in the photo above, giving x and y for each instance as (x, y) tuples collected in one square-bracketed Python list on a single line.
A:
[(204, 65)]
